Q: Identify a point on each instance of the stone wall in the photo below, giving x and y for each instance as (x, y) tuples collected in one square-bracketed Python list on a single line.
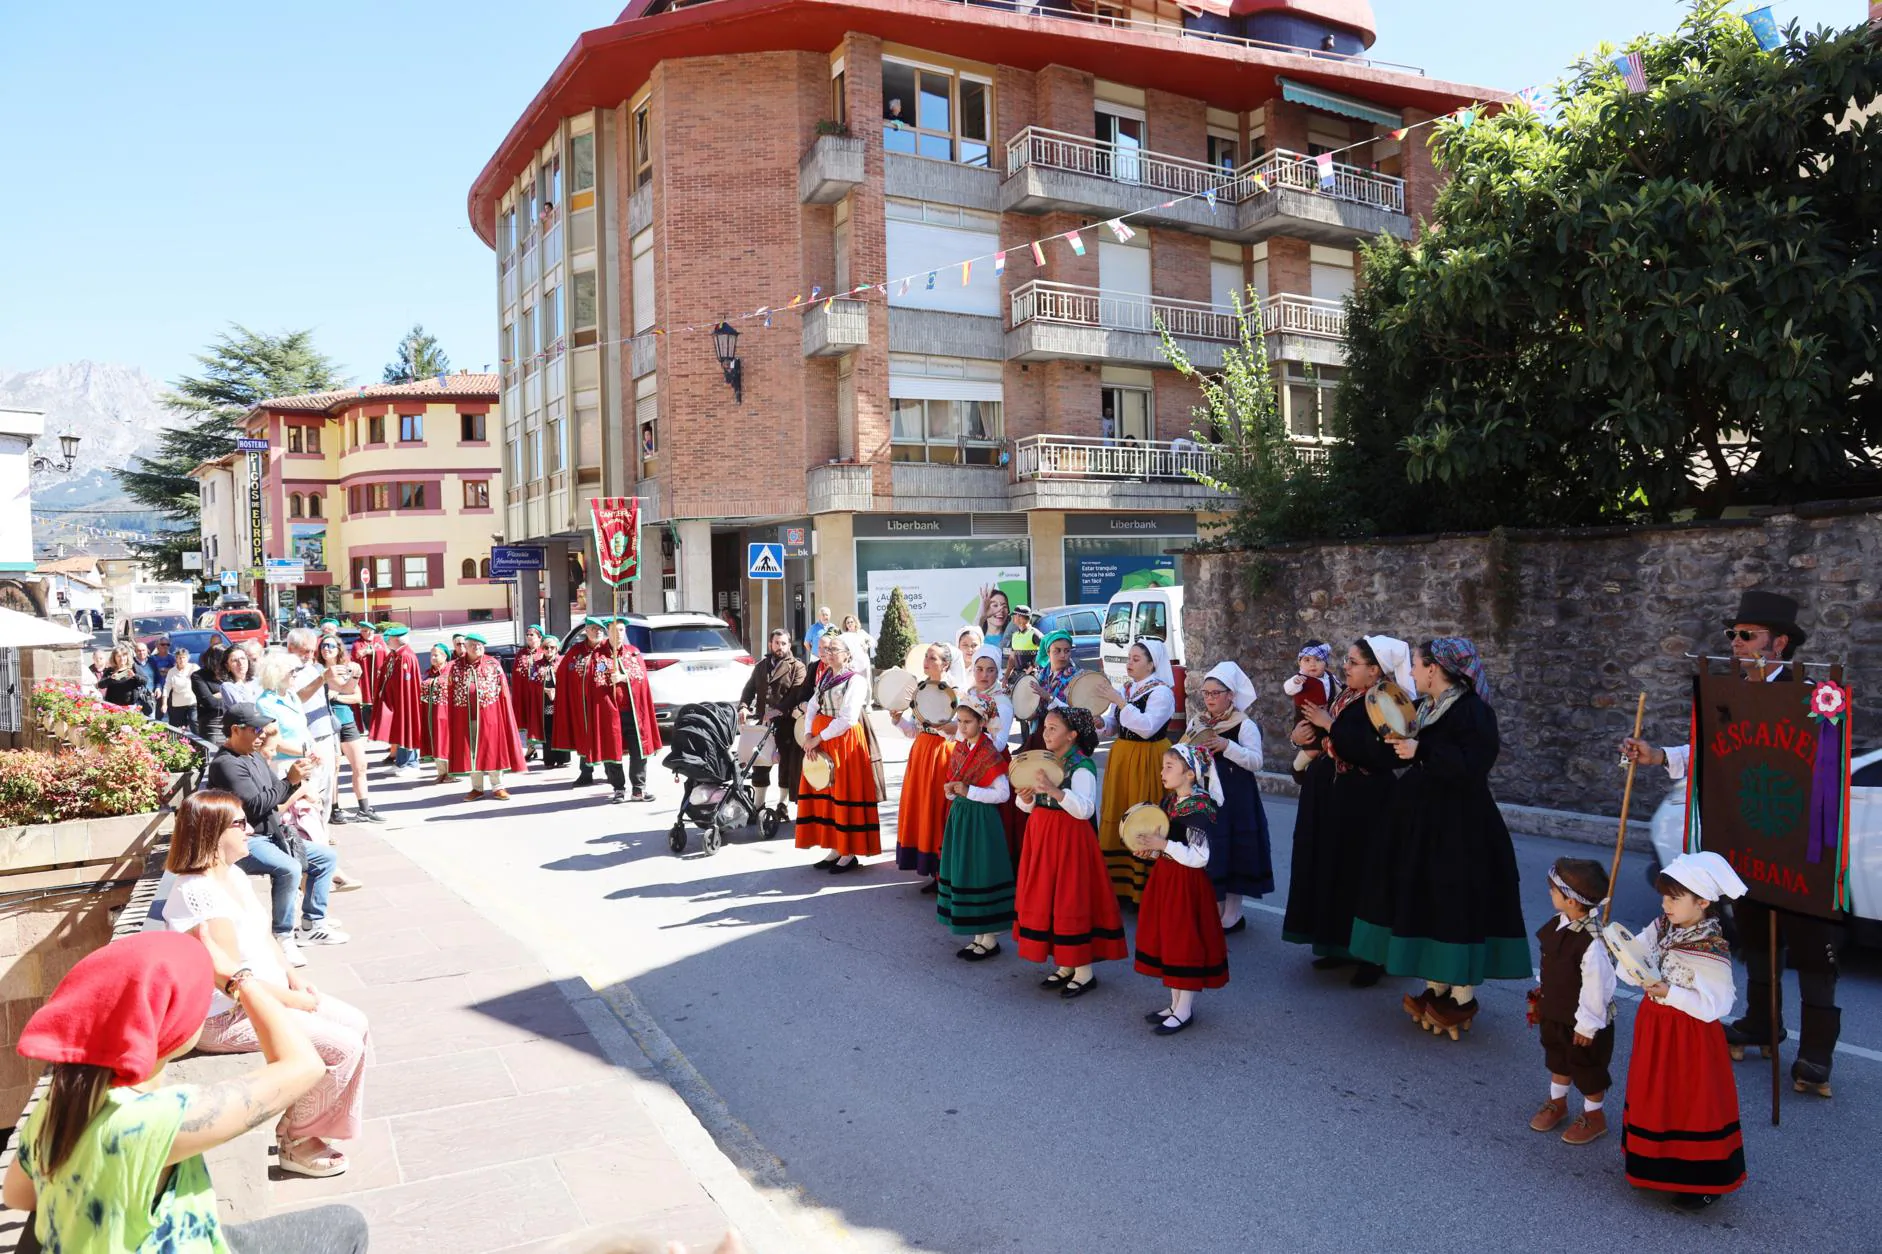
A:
[(1571, 625)]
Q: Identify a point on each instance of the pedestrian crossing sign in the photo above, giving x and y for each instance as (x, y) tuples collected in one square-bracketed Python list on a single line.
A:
[(766, 561)]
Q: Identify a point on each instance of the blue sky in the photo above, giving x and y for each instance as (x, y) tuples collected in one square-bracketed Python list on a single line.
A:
[(170, 169)]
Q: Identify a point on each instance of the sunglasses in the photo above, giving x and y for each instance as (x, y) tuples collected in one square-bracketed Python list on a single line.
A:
[(1738, 633)]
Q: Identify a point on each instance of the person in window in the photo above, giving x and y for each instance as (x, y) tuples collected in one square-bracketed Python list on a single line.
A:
[(892, 115)]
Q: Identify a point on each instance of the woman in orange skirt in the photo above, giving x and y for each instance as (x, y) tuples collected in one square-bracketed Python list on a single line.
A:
[(1179, 927), (842, 816), (922, 809), (1067, 914)]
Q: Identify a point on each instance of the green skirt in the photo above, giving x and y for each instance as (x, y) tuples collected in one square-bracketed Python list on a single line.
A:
[(975, 895)]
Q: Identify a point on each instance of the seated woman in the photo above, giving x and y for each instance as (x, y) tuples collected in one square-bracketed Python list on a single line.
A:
[(112, 1157), (306, 813), (212, 900)]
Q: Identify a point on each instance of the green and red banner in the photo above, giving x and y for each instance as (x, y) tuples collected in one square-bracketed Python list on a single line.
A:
[(617, 538)]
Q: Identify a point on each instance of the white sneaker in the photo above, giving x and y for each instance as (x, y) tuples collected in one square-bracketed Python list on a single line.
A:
[(412, 772), (292, 952), (322, 933)]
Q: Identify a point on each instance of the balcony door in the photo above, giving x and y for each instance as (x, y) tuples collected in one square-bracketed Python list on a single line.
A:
[(1121, 127), (1128, 415)]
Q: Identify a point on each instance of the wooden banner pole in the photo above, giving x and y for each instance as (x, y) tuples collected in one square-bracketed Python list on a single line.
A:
[(1627, 799), (1777, 977)]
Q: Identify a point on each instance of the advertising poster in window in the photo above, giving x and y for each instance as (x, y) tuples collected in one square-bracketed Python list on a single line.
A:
[(1098, 578), (308, 542), (944, 601)]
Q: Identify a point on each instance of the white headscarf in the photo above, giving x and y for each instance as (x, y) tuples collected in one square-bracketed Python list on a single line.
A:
[(1232, 677), (1708, 875), (1395, 660), (1203, 765), (991, 653), (1159, 660), (970, 631), (951, 673)]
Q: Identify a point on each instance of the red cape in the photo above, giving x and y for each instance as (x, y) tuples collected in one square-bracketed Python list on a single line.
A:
[(526, 693), (571, 704), (479, 711), (371, 660), (396, 716), (637, 690)]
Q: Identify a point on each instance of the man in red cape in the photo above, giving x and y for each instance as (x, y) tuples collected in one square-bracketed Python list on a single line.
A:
[(369, 654), (574, 723), (623, 703), (484, 743), (526, 687), (397, 716)]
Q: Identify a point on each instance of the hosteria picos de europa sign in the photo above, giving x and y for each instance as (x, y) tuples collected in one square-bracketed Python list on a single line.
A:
[(1770, 779)]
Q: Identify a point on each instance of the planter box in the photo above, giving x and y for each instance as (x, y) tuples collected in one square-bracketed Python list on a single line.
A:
[(82, 851)]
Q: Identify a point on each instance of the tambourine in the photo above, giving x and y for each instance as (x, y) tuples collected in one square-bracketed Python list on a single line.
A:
[(1091, 690), (1392, 713), (917, 658), (895, 688), (1026, 697), (819, 770), (1631, 960), (1228, 729), (1141, 824), (1034, 768), (934, 702)]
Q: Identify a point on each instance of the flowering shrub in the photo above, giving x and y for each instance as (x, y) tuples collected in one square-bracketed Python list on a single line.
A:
[(102, 723), (93, 782)]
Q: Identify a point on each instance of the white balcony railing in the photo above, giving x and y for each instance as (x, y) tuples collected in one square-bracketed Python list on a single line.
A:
[(1080, 457), (1080, 154), (1285, 314), (1041, 301), (1280, 168)]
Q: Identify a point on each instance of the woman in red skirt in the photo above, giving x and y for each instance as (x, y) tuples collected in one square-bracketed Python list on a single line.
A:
[(1067, 914), (842, 816), (922, 812), (1179, 926), (1680, 1125)]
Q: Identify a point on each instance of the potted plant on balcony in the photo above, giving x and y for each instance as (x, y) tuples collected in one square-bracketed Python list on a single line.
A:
[(830, 126)]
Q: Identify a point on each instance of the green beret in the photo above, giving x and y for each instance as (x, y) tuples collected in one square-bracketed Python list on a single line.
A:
[(329, 622), (594, 620), (535, 627), (474, 637), (394, 629)]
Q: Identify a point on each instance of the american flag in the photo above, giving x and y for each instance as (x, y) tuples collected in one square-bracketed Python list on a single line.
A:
[(1633, 71)]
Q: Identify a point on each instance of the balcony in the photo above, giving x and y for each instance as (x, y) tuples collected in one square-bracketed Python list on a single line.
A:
[(1080, 472), (839, 487), (835, 328), (1304, 328), (1059, 320), (1278, 193), (831, 168)]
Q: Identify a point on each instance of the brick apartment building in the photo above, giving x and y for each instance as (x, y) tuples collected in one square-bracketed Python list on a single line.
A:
[(695, 161)]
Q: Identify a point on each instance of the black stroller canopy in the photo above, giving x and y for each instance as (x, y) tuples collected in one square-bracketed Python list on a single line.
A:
[(701, 744)]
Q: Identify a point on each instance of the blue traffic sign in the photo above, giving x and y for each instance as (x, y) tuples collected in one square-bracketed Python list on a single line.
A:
[(766, 561), (508, 559)]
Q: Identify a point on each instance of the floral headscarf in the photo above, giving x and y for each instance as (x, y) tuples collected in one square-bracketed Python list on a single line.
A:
[(1202, 762)]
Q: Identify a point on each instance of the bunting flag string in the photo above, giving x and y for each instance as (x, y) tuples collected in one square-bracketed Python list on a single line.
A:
[(999, 263), (1038, 254), (1764, 28), (1078, 245), (1124, 233), (1633, 71)]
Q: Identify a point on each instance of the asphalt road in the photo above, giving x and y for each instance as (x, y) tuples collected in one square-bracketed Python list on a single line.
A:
[(939, 1105)]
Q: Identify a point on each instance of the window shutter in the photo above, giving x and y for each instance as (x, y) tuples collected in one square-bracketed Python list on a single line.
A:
[(434, 569)]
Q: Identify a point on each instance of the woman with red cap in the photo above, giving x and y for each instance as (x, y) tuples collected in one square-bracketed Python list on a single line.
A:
[(110, 1158)]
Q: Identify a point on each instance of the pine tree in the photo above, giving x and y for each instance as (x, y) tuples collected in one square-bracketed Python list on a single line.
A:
[(419, 358), (896, 637)]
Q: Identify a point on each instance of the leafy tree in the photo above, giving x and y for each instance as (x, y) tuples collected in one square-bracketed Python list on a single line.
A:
[(419, 358), (239, 371), (897, 635), (1608, 302)]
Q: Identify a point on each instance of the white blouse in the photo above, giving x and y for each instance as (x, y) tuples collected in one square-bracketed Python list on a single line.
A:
[(1698, 984), (993, 794), (1159, 709), (1243, 748), (844, 705), (1081, 796), (1597, 985), (195, 899), (1191, 851)]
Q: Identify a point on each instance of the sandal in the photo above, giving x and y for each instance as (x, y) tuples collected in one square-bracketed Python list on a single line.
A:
[(321, 1163)]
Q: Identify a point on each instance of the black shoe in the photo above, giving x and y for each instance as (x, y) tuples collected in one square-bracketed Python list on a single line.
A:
[(641, 796), (825, 865), (1332, 962), (366, 814), (972, 954), (931, 887), (1366, 975), (1694, 1201), (1157, 1016), (336, 817), (1055, 980), (1240, 925), (1164, 1029), (840, 866), (1073, 989), (1810, 1077), (584, 779)]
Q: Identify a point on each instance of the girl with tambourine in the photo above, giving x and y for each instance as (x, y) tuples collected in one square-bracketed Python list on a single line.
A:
[(841, 816), (975, 898), (1138, 718), (1053, 678), (983, 678), (1066, 913), (922, 809), (1241, 861), (1344, 827), (1179, 931)]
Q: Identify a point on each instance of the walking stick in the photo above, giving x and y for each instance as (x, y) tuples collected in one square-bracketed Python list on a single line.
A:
[(1627, 798)]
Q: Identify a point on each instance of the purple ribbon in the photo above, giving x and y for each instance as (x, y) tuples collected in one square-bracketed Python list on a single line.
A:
[(1827, 781)]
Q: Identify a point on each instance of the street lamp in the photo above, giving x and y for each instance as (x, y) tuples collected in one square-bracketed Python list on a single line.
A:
[(68, 449), (725, 344)]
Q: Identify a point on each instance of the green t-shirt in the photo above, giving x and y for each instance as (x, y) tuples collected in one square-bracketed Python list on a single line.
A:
[(105, 1197)]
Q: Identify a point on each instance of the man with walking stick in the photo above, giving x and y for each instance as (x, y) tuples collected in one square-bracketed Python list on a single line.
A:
[(1764, 636)]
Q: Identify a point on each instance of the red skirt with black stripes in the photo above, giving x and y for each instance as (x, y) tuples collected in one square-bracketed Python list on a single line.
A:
[(1179, 928), (842, 818), (1679, 1129), (1065, 911)]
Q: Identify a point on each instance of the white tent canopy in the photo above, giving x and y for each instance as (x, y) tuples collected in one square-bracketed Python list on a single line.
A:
[(23, 631)]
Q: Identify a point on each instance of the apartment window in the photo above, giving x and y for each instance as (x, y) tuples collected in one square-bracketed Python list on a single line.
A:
[(311, 438), (209, 494), (551, 185), (640, 251), (925, 238), (294, 439), (550, 310), (294, 505), (506, 233), (376, 429), (411, 496), (643, 146), (1223, 152), (517, 477), (966, 432), (585, 316), (477, 494), (558, 458), (1309, 401), (581, 163), (382, 572), (468, 570), (526, 204), (379, 496), (506, 349), (411, 428), (647, 425), (526, 340), (470, 428), (538, 469), (1122, 127), (935, 113), (316, 507), (839, 99), (483, 568), (1128, 414), (417, 572)]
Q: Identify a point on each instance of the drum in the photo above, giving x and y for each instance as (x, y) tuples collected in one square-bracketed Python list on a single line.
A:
[(895, 688), (1033, 768), (1026, 698), (802, 726), (1091, 690), (819, 770), (1392, 713), (933, 702), (1141, 824), (1631, 961)]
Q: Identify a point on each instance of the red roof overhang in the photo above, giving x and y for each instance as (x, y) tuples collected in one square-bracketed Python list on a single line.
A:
[(607, 65)]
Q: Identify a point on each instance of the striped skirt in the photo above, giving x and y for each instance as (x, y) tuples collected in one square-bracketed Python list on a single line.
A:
[(842, 818), (975, 895), (1134, 774), (1066, 913), (922, 817), (1679, 1128)]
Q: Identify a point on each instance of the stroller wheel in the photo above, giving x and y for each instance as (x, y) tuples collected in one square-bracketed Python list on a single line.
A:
[(676, 839), (714, 837), (769, 823)]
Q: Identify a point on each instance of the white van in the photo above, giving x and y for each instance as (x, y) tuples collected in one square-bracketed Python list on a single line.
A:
[(1145, 614)]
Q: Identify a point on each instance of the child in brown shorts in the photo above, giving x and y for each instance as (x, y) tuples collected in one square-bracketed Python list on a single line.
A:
[(1574, 1003)]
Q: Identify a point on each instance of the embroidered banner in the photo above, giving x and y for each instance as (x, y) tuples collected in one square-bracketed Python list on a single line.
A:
[(617, 538)]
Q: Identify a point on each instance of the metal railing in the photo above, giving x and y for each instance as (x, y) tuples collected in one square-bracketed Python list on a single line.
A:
[(1287, 314), (1296, 171), (1083, 457), (1042, 301)]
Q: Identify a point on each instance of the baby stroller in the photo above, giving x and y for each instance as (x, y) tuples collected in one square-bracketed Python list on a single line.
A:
[(718, 785)]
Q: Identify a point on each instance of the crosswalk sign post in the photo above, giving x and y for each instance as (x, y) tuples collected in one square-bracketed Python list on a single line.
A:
[(766, 561)]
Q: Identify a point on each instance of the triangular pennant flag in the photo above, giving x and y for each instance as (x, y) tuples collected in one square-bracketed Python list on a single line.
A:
[(999, 263), (1168, 204), (1121, 230), (1400, 132), (1078, 245), (967, 272), (815, 292), (1465, 117), (1764, 28), (860, 287), (931, 275), (1038, 254), (1325, 162), (1261, 184), (795, 301), (767, 320), (904, 290), (1209, 195)]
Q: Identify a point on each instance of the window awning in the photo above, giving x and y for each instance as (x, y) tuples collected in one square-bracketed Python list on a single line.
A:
[(1333, 102)]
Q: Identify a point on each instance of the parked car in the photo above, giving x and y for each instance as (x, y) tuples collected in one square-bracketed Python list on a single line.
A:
[(149, 628), (1865, 841), (197, 640), (1135, 614), (245, 623), (1083, 623), (690, 657)]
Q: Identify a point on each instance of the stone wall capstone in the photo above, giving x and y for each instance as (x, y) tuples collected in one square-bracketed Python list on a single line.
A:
[(1572, 625)]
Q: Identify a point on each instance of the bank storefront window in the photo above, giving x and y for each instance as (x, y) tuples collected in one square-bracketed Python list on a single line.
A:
[(1106, 553), (942, 569)]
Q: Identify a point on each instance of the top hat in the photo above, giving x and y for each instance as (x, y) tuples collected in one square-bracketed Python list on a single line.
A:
[(1773, 611)]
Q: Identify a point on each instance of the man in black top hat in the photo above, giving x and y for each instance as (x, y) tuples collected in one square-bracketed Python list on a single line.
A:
[(1764, 635)]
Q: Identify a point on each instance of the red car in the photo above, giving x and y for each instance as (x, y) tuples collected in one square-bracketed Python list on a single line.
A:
[(238, 624)]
